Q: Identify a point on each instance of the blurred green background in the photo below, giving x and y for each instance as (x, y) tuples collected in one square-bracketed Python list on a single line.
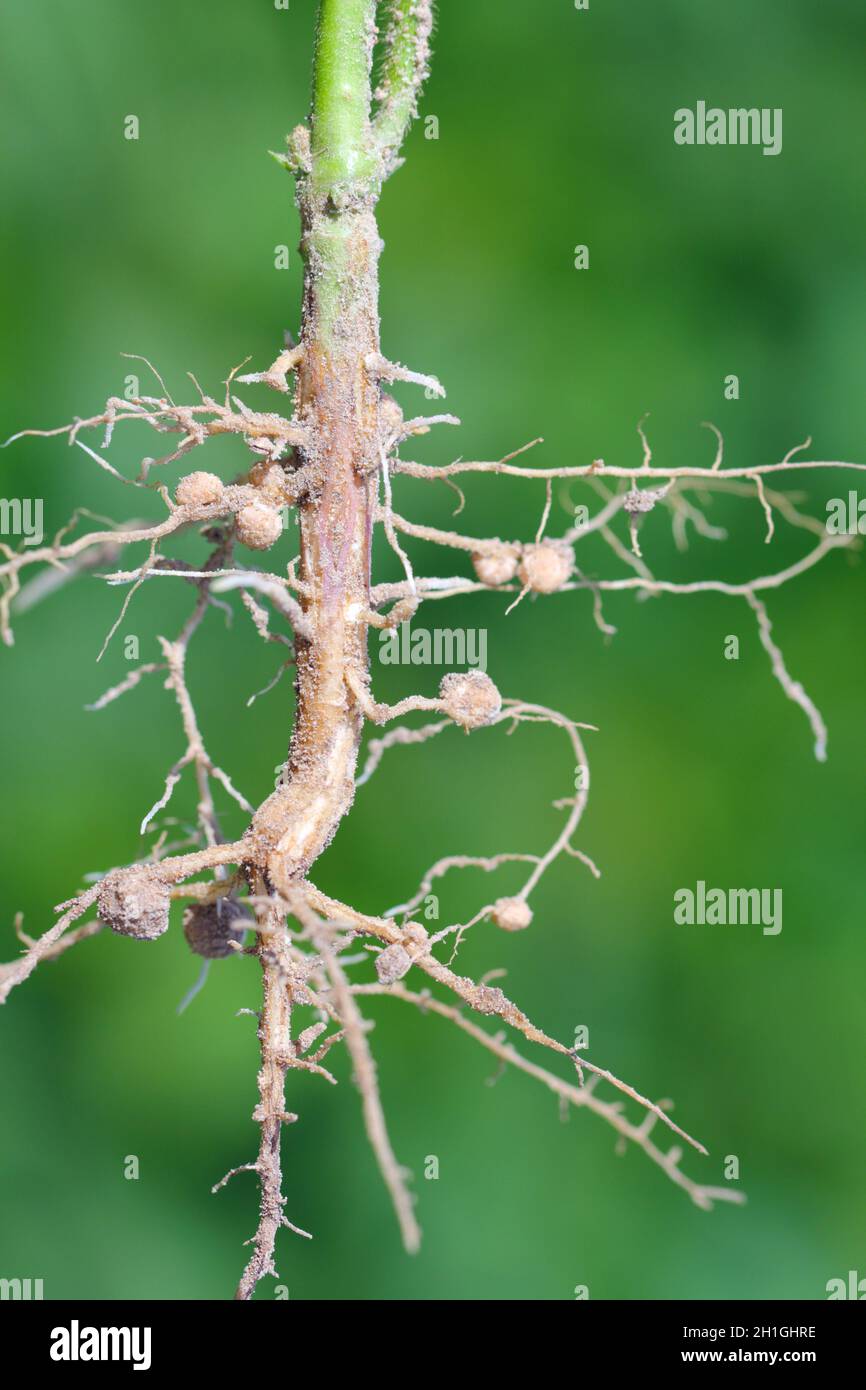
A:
[(555, 128)]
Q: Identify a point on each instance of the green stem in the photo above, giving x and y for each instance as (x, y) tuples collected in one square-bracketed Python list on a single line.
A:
[(341, 149), (403, 71), (342, 179)]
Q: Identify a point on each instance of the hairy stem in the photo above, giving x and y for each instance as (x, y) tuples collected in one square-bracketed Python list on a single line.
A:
[(407, 46)]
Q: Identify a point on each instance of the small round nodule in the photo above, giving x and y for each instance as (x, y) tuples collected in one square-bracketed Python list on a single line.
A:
[(497, 567), (213, 929), (258, 527), (199, 490), (511, 914), (470, 698), (392, 964), (417, 934), (545, 567), (134, 902)]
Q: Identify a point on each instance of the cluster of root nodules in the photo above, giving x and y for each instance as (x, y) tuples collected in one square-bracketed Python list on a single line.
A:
[(322, 959)]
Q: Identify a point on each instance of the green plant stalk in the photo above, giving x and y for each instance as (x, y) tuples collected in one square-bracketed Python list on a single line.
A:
[(340, 131), (403, 71)]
